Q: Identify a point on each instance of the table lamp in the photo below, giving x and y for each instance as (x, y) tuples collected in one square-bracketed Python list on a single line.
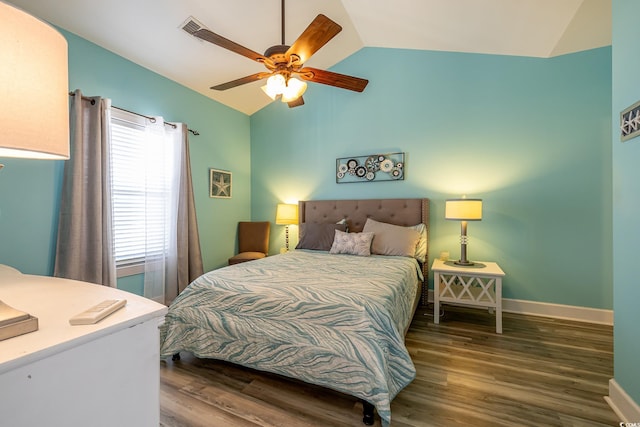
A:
[(286, 214), (34, 108), (463, 210)]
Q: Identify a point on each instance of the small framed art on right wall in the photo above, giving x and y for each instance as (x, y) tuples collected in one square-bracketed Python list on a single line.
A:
[(630, 122)]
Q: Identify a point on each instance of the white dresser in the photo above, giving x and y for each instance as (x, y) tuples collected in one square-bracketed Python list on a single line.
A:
[(106, 374)]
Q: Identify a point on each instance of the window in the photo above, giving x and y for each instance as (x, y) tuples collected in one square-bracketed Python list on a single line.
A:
[(141, 184)]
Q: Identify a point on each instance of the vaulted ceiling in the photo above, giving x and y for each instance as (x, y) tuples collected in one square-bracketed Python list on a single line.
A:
[(150, 33)]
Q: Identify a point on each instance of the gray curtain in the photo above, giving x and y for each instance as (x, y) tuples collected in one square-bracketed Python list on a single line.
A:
[(189, 255), (84, 249)]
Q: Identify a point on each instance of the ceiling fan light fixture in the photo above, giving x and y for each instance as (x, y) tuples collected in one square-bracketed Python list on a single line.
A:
[(294, 90), (265, 89), (276, 84)]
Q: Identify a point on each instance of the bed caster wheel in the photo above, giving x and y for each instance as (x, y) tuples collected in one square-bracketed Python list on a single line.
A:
[(175, 357), (367, 412)]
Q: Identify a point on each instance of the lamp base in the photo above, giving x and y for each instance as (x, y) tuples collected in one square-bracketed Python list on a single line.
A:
[(464, 263), (467, 265)]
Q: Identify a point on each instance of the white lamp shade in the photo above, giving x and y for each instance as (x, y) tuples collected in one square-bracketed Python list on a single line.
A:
[(269, 92), (275, 85), (286, 214), (34, 106), (463, 209), (294, 90)]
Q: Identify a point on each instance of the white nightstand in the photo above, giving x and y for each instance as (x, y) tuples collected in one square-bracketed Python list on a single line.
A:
[(478, 286)]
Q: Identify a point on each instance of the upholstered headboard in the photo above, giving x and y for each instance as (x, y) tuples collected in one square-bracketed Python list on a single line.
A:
[(405, 212)]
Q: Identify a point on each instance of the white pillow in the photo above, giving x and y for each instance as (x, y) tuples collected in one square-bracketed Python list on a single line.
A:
[(392, 239), (421, 247), (351, 243)]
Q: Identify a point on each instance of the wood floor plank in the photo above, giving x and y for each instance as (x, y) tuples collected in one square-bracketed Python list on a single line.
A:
[(257, 411), (539, 372), (334, 409), (180, 409)]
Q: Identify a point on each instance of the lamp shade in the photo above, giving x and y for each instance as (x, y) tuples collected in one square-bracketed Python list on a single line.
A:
[(275, 85), (34, 106), (294, 90), (286, 214), (463, 209)]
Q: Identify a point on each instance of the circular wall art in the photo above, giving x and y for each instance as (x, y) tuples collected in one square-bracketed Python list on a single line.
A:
[(374, 167)]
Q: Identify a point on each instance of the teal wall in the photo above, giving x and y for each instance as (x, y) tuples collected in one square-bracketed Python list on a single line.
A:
[(626, 199), (29, 189), (529, 136)]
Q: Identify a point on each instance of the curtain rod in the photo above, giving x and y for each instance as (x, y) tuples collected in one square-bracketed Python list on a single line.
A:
[(152, 119)]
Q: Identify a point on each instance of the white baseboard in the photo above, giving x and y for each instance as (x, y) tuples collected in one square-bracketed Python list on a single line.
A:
[(558, 311), (622, 404)]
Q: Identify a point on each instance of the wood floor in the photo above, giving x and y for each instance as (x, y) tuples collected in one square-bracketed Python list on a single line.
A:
[(539, 372)]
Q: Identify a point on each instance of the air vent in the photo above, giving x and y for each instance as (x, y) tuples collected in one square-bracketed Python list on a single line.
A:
[(191, 25)]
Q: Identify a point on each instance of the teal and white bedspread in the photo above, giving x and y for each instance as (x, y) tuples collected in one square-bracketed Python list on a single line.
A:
[(337, 321)]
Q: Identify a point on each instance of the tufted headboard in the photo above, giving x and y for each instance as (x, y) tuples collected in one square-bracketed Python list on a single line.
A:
[(405, 212)]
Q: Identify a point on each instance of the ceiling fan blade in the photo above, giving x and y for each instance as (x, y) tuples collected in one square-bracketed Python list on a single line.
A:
[(317, 34), (218, 40), (333, 79), (241, 81), (296, 102)]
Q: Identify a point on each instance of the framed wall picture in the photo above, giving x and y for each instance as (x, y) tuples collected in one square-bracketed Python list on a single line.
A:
[(219, 184), (630, 122), (373, 167)]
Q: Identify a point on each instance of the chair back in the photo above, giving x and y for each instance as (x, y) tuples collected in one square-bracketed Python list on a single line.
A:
[(253, 236)]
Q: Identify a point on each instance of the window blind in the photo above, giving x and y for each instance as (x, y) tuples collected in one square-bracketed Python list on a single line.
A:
[(140, 182)]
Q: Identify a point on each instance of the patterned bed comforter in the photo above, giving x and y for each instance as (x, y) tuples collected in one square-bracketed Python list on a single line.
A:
[(332, 320)]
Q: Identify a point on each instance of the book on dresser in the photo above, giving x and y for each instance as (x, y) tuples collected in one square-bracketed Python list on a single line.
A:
[(14, 322)]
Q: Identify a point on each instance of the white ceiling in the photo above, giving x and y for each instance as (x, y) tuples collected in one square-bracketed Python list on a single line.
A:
[(148, 32)]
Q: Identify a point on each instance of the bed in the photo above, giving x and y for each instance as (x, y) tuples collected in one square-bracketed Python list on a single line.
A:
[(328, 318)]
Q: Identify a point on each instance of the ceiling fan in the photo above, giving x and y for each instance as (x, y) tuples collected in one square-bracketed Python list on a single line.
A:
[(286, 63)]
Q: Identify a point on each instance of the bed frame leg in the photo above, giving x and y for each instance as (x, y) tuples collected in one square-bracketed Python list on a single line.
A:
[(367, 412), (175, 357)]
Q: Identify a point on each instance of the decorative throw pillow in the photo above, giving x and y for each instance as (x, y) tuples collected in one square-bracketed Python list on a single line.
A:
[(421, 247), (352, 243), (392, 239), (318, 237)]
